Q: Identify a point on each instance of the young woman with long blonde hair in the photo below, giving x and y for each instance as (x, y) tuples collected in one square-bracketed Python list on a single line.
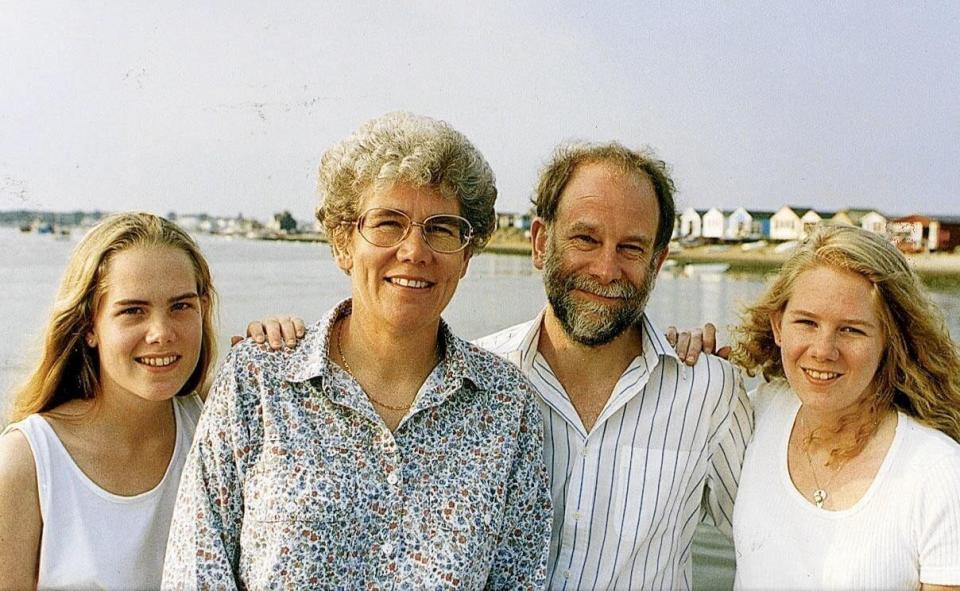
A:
[(90, 466)]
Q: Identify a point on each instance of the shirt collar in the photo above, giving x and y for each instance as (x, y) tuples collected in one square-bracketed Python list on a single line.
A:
[(310, 359)]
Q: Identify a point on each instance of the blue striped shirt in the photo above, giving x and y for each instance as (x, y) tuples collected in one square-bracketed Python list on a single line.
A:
[(664, 453)]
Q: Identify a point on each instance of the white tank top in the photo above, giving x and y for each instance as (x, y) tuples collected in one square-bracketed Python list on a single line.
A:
[(93, 539)]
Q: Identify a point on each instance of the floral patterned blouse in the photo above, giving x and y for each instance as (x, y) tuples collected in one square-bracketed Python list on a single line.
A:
[(295, 482)]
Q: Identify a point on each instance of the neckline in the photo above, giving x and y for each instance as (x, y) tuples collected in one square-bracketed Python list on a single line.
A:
[(104, 493), (864, 500)]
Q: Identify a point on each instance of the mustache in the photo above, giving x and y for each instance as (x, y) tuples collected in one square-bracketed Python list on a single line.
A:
[(619, 289)]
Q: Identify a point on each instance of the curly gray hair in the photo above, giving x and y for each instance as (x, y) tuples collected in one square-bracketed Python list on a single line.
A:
[(403, 147)]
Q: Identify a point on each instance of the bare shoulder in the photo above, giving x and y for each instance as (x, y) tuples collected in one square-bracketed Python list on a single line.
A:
[(20, 521), (18, 474)]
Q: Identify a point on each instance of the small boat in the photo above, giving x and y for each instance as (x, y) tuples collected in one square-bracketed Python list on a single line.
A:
[(749, 246), (692, 269)]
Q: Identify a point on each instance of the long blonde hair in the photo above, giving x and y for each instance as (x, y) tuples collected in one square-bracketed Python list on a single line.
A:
[(68, 368), (919, 373)]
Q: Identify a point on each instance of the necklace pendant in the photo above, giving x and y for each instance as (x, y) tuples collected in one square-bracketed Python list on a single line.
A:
[(819, 496)]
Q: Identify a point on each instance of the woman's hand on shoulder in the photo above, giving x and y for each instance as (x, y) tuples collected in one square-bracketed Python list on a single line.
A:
[(689, 344), (20, 522), (276, 331)]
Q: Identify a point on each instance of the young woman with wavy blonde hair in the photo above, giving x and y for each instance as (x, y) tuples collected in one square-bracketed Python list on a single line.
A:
[(90, 467), (852, 479)]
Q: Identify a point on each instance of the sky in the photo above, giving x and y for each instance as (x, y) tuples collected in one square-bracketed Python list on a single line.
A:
[(226, 107)]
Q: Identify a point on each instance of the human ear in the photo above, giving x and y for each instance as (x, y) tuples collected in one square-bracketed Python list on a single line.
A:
[(775, 320), (467, 255), (539, 234), (661, 257), (343, 258), (91, 339)]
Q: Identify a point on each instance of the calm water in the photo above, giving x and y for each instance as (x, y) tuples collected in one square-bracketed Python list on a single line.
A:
[(259, 278)]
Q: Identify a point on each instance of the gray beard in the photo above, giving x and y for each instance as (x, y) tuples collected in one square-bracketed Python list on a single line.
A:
[(590, 323)]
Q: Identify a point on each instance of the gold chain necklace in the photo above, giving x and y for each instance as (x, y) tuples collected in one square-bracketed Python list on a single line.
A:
[(820, 494), (346, 366)]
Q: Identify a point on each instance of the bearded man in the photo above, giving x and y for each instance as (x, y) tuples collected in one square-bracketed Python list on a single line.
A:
[(639, 447)]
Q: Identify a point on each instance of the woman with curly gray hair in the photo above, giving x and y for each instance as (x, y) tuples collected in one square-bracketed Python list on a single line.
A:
[(383, 450)]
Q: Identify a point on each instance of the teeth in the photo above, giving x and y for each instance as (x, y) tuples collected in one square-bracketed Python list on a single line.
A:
[(158, 361), (409, 282), (821, 375)]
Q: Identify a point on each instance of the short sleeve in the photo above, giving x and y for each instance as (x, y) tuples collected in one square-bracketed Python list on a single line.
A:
[(939, 510)]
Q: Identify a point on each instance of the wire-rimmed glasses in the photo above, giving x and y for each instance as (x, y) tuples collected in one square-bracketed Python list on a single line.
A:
[(385, 227)]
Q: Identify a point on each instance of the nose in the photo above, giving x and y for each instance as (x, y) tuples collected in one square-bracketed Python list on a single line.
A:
[(413, 248), (825, 345), (605, 267), (161, 330)]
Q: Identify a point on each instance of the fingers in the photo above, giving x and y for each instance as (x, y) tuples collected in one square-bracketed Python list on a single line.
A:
[(724, 352), (274, 329), (299, 327), (672, 336), (683, 345), (709, 338), (235, 339), (277, 331), (694, 347), (256, 331), (285, 331), (689, 345)]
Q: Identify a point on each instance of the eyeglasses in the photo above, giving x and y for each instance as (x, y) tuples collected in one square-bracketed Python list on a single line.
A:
[(443, 233)]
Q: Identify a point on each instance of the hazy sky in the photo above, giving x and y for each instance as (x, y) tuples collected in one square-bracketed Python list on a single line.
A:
[(226, 107)]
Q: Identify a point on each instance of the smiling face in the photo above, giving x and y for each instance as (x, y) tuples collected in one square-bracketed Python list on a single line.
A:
[(407, 286), (598, 253), (148, 326), (831, 338)]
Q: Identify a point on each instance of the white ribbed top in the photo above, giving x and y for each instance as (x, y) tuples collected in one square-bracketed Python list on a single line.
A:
[(904, 531)]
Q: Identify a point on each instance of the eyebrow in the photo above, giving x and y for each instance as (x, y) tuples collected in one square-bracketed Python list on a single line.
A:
[(134, 302), (854, 321), (585, 227)]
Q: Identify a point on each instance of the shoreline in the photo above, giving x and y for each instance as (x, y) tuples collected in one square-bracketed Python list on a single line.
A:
[(932, 267)]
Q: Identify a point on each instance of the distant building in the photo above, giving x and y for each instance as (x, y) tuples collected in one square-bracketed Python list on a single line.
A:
[(919, 233), (520, 221), (690, 224), (785, 224), (739, 224), (948, 235), (283, 223), (868, 219), (760, 224), (713, 224), (810, 220)]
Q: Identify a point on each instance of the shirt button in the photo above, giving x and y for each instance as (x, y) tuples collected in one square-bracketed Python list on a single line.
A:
[(585, 451), (566, 574), (577, 516), (392, 478), (387, 549)]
